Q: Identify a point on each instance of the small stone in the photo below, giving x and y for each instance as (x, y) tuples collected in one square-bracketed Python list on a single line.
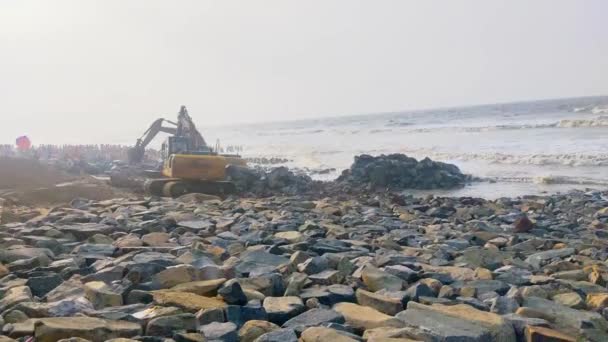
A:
[(295, 284), (187, 301), (363, 317), (313, 317), (14, 296), (281, 309), (326, 277), (434, 284), (168, 325), (483, 274), (596, 278), (376, 279), (538, 259), (254, 329), (101, 295), (232, 293), (206, 288), (448, 292), (596, 301), (403, 272), (416, 291), (239, 315), (316, 334), (15, 316), (207, 316), (382, 303), (155, 239), (314, 265), (281, 335), (225, 332), (523, 225), (503, 305), (291, 236), (93, 329), (100, 239), (42, 285), (534, 291), (560, 245), (570, 299), (175, 275), (540, 334)]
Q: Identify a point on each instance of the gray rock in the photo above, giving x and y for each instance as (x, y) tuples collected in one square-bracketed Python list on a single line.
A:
[(224, 332), (232, 293), (313, 318), (434, 326), (42, 285), (314, 265), (538, 259), (281, 335), (565, 316), (402, 272), (168, 325), (281, 309), (503, 305)]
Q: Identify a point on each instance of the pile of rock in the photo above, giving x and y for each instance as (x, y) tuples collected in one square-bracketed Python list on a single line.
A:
[(263, 182), (398, 171), (346, 269)]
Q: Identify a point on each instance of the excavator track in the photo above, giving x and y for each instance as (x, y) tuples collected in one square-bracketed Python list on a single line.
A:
[(172, 187)]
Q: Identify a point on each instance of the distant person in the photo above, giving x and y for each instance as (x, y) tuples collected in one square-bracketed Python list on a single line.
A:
[(23, 143)]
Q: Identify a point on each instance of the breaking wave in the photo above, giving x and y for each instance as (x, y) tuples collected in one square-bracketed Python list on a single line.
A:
[(600, 121), (550, 180), (566, 159)]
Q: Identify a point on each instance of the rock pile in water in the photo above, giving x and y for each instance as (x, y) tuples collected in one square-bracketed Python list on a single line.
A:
[(262, 182), (398, 171), (348, 268)]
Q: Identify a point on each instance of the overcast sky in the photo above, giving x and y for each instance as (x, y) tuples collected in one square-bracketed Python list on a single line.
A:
[(72, 69)]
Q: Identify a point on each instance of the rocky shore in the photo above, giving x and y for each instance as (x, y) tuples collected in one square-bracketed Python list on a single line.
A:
[(365, 267)]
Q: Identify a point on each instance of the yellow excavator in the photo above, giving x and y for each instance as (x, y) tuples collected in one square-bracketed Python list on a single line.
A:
[(189, 165)]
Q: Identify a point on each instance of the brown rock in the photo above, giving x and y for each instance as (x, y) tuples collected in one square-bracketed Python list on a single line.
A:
[(254, 329), (101, 295), (321, 334), (533, 313), (597, 301), (187, 301), (483, 273), (93, 329), (155, 239), (523, 225), (384, 304), (3, 271), (363, 317), (542, 334), (206, 288)]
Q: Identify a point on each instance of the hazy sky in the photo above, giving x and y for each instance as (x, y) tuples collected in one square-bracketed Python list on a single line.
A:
[(77, 69)]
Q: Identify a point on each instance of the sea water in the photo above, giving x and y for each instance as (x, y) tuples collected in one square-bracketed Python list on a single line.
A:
[(517, 149)]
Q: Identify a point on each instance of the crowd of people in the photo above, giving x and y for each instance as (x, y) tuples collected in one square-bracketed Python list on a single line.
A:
[(88, 153)]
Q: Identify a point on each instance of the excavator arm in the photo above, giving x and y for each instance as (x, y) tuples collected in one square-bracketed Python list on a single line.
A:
[(184, 128), (136, 154)]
